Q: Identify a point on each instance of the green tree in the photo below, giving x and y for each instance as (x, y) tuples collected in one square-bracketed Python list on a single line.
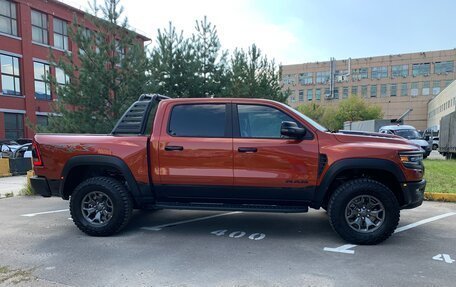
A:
[(172, 66), (107, 76), (352, 109), (210, 60), (313, 111), (252, 75)]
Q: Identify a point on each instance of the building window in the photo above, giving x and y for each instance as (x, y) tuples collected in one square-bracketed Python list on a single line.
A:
[(404, 89), (120, 51), (309, 94), (14, 126), (10, 79), (435, 87), (306, 78), (383, 90), (322, 77), (426, 88), (318, 94), (393, 90), (444, 67), (61, 78), (39, 27), (421, 69), (399, 71), (301, 95), (364, 91), (42, 121), (359, 74), (414, 89), (345, 92), (379, 72), (60, 34), (336, 93), (8, 19), (288, 79), (42, 88), (373, 91), (354, 90)]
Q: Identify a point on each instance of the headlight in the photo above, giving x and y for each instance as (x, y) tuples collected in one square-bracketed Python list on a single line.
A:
[(411, 159)]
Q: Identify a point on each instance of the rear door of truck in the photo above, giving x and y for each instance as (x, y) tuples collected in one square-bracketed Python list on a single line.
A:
[(195, 151)]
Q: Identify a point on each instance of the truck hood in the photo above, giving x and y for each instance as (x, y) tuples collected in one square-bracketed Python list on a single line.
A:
[(359, 136)]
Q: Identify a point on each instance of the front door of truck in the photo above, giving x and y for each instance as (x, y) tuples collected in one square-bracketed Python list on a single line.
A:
[(267, 165), (195, 151)]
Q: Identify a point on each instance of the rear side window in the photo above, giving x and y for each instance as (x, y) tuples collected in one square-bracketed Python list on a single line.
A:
[(261, 121), (199, 120)]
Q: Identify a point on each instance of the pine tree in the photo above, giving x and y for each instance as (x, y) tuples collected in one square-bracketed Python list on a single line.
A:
[(106, 77), (252, 75)]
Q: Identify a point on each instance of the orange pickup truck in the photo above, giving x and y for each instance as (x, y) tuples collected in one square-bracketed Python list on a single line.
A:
[(230, 154)]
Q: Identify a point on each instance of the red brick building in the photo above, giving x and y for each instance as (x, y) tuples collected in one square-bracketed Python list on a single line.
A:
[(28, 29)]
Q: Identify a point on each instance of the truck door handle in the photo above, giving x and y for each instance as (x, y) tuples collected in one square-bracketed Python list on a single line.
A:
[(247, 149), (174, 147)]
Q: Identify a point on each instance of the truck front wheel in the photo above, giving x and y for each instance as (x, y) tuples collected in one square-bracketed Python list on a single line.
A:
[(363, 211), (101, 206)]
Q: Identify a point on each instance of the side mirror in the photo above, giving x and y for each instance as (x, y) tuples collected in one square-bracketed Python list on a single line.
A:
[(291, 129), (426, 138)]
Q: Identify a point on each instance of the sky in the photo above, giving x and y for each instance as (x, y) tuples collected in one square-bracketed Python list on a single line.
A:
[(300, 31)]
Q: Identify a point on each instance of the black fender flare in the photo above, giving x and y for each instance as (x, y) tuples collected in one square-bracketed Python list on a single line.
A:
[(100, 160), (355, 163)]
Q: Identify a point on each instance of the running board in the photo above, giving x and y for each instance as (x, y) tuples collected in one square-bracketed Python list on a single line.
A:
[(232, 207)]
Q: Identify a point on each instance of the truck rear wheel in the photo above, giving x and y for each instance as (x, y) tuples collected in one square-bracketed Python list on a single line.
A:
[(363, 211), (101, 206)]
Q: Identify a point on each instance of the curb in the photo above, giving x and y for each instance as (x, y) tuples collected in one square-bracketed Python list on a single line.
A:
[(445, 197)]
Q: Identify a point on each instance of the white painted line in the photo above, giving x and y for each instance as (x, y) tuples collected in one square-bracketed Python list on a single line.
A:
[(342, 249), (44, 212), (159, 227), (424, 221)]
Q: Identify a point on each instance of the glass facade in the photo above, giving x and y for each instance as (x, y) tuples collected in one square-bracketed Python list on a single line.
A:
[(379, 72), (373, 91), (42, 87), (8, 17), (444, 67), (309, 94), (10, 75), (39, 27), (421, 69), (60, 34), (306, 78), (399, 71)]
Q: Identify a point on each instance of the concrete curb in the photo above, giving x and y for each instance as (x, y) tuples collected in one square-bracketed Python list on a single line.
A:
[(435, 196)]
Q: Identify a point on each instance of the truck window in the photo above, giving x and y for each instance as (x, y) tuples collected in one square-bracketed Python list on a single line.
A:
[(198, 120), (261, 121)]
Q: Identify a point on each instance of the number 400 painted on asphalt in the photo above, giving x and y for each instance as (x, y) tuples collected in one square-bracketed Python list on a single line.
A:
[(239, 234)]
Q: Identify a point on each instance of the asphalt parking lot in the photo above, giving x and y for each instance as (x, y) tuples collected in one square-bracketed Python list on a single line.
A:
[(197, 248)]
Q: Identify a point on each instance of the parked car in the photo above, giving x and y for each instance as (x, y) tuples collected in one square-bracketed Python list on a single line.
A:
[(230, 154), (410, 133), (8, 147)]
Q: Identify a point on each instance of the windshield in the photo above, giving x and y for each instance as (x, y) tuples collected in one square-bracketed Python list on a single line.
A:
[(408, 134), (307, 119)]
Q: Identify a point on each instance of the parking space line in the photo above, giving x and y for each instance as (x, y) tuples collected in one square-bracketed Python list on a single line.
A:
[(344, 248), (159, 227), (44, 212), (424, 221)]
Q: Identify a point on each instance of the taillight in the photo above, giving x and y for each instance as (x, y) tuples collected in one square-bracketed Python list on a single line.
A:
[(37, 161)]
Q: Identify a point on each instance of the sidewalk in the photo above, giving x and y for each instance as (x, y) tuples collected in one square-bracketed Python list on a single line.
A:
[(12, 184)]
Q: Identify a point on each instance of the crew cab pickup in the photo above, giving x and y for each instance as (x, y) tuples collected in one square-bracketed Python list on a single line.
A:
[(230, 154)]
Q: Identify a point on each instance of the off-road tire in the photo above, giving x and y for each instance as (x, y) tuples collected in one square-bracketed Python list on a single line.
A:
[(363, 186), (117, 193)]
